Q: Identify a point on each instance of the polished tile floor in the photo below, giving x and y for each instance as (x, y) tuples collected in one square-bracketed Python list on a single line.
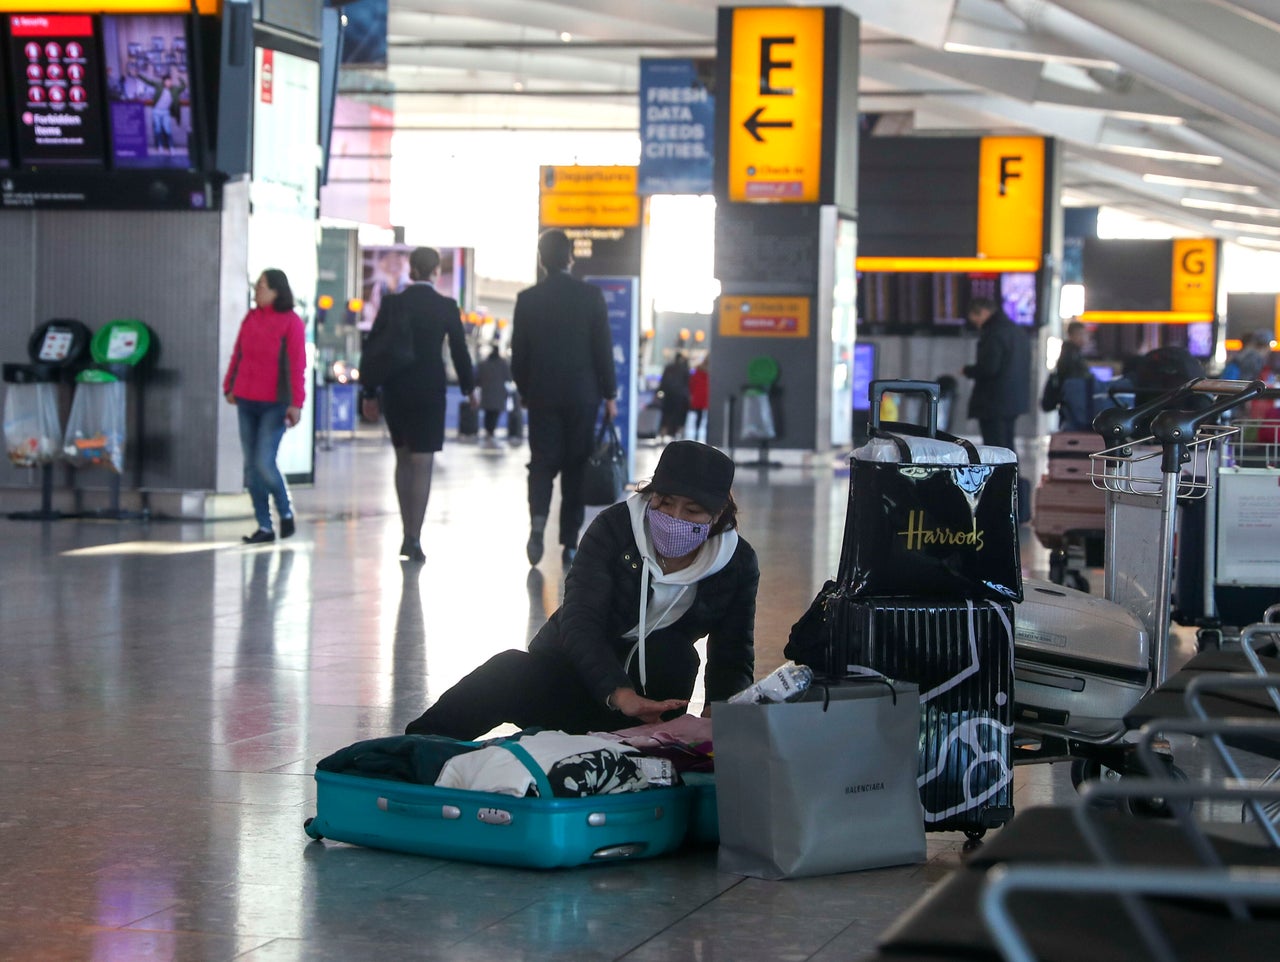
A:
[(165, 694)]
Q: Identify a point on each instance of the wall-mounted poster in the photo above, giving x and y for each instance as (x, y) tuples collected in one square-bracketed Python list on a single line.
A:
[(385, 270), (286, 134), (148, 90), (57, 90)]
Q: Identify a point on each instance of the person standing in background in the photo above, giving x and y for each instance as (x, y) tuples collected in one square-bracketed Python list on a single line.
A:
[(1001, 373), (494, 373), (1248, 362), (674, 388), (413, 401), (266, 382), (1071, 362), (562, 363), (700, 396)]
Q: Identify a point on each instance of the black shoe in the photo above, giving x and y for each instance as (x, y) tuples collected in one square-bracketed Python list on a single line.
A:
[(567, 555), (259, 537), (411, 550), (533, 549), (287, 527)]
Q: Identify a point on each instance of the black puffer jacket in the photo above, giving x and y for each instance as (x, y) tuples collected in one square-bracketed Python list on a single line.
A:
[(1001, 371), (602, 602)]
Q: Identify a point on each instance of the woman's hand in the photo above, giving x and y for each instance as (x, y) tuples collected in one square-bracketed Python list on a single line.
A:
[(634, 705), (231, 398), (292, 415)]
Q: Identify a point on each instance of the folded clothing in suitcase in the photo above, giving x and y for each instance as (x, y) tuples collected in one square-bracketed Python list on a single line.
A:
[(498, 828), (960, 654)]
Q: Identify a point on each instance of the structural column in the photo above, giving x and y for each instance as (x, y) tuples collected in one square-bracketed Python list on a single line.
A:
[(786, 189)]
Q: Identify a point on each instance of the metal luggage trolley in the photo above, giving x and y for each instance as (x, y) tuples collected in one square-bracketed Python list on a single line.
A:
[(1141, 519), (1159, 456), (1238, 570)]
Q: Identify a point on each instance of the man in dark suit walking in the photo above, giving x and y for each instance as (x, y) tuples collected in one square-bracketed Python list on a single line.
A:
[(1001, 373), (562, 363), (414, 399)]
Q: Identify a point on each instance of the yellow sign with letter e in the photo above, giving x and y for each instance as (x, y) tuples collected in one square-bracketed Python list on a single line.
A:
[(775, 104)]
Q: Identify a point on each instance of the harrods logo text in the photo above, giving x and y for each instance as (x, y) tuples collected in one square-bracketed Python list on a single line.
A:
[(918, 536)]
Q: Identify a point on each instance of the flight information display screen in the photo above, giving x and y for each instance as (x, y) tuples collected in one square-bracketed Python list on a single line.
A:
[(57, 90)]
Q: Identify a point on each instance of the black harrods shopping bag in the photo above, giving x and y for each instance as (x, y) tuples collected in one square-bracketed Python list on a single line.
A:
[(927, 517)]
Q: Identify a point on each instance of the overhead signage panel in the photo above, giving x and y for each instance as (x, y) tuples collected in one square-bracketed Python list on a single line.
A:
[(776, 104), (764, 316), (617, 179), (1195, 275), (677, 126), (589, 210), (1011, 197)]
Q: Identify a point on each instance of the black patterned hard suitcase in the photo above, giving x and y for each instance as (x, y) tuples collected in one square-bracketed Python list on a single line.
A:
[(960, 654)]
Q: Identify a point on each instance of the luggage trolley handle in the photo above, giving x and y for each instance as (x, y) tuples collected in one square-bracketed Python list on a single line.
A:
[(930, 389), (1175, 429), (1117, 426)]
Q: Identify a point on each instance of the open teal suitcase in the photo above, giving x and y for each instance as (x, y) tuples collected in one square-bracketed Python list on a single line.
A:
[(541, 832)]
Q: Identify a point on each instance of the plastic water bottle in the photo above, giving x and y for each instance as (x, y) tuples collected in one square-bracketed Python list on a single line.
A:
[(785, 683)]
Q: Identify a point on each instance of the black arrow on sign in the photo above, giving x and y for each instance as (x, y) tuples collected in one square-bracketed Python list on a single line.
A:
[(754, 123)]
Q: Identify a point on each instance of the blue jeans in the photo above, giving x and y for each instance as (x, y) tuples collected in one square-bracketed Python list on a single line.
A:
[(261, 428)]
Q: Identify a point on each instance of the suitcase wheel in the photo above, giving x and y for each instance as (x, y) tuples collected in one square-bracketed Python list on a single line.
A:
[(1087, 769), (626, 850), (306, 827)]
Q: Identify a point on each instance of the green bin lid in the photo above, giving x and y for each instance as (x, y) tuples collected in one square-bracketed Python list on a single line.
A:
[(123, 341), (762, 371)]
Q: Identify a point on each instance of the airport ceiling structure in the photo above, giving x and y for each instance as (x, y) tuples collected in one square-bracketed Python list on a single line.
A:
[(1167, 109)]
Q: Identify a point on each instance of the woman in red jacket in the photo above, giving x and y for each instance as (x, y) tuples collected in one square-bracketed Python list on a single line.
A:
[(265, 381)]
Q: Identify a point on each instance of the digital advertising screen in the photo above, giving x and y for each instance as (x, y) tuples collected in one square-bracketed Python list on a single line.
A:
[(57, 88), (1018, 297), (1103, 372), (864, 372), (148, 90), (1200, 339)]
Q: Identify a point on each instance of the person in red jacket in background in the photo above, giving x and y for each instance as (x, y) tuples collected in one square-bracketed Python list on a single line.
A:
[(266, 383), (700, 396)]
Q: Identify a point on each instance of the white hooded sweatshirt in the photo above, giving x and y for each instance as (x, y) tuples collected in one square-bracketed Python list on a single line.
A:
[(673, 593)]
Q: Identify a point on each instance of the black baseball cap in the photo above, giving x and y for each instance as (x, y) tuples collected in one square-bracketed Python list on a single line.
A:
[(694, 470)]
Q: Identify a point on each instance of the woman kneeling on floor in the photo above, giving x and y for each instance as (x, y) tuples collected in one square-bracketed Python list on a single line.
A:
[(653, 574)]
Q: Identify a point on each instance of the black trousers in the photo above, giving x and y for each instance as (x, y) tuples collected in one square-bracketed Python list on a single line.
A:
[(560, 440), (541, 689), (998, 432)]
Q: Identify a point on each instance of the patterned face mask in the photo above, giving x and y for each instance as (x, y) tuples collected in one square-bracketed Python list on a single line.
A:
[(673, 537)]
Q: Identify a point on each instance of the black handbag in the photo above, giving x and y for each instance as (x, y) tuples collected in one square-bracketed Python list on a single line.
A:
[(605, 477)]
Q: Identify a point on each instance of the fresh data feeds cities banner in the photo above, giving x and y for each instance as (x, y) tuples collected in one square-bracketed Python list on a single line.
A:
[(677, 126)]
